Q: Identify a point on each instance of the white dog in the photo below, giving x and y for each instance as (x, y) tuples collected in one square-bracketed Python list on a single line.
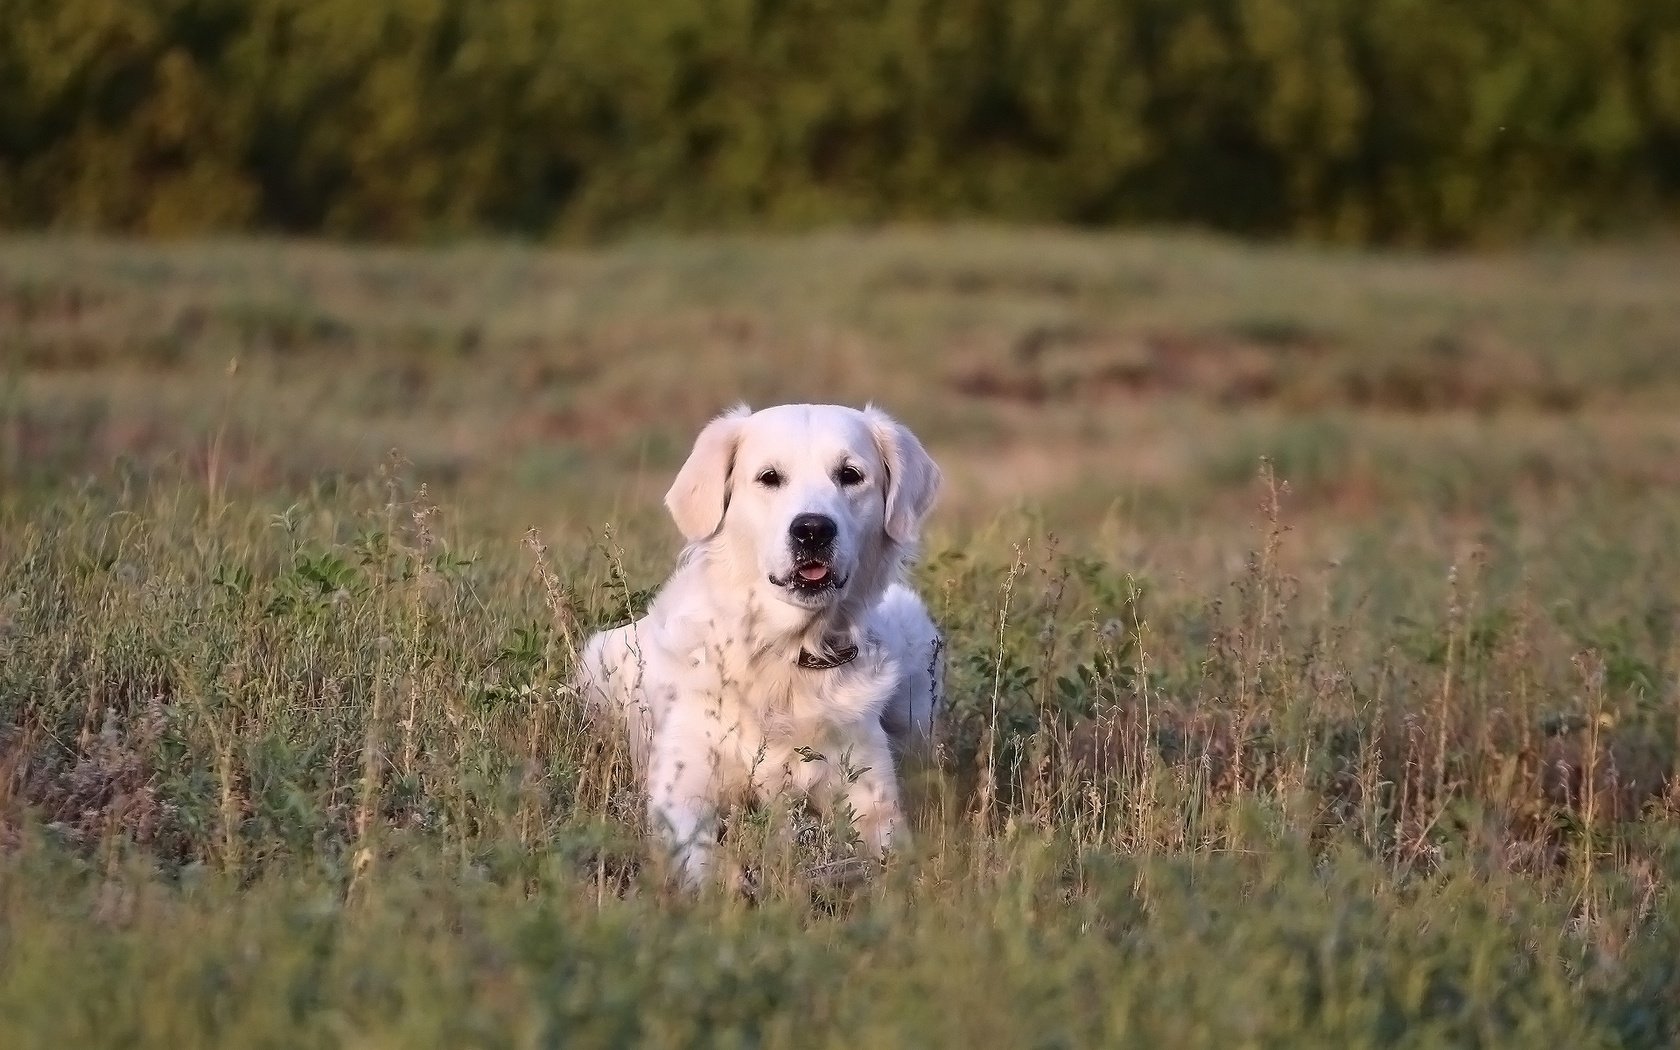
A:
[(785, 653)]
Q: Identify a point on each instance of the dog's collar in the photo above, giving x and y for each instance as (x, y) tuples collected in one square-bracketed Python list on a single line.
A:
[(833, 656)]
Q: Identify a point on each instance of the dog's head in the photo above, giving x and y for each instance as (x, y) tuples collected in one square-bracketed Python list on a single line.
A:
[(823, 502)]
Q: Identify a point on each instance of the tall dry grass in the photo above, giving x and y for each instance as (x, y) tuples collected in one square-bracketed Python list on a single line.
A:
[(1368, 742)]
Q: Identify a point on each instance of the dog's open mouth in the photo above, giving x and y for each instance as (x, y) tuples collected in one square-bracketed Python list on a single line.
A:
[(811, 577)]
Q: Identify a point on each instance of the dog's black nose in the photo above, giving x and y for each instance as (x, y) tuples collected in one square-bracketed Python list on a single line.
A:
[(813, 530)]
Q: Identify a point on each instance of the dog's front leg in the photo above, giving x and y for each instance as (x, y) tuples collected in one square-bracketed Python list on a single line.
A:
[(870, 790), (683, 809)]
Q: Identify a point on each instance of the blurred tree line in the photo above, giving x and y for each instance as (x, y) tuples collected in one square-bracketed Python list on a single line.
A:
[(1411, 121)]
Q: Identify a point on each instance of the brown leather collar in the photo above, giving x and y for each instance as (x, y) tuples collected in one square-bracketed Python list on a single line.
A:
[(835, 656)]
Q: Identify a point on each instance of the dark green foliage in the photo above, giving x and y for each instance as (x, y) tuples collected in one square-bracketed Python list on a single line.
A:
[(1397, 120)]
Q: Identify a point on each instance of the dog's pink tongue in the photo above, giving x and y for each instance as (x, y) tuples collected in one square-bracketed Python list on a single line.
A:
[(813, 573)]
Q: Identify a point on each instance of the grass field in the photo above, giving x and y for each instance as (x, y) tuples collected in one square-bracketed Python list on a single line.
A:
[(1314, 633)]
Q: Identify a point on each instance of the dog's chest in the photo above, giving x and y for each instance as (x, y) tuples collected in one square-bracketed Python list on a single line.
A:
[(783, 722)]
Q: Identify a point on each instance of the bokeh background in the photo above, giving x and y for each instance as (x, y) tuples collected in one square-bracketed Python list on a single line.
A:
[(1095, 251), (1416, 121)]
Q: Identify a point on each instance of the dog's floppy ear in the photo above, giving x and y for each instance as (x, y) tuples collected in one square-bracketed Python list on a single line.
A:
[(701, 489), (912, 476)]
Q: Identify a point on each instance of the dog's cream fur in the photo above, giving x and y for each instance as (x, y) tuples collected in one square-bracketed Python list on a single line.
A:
[(709, 684)]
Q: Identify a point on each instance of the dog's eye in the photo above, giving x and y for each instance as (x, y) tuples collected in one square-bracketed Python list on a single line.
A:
[(849, 475), (770, 478)]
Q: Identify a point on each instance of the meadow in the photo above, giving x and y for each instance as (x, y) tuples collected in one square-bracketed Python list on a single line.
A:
[(1313, 621)]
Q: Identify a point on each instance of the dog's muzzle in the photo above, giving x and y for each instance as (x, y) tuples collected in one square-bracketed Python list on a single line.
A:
[(811, 546)]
